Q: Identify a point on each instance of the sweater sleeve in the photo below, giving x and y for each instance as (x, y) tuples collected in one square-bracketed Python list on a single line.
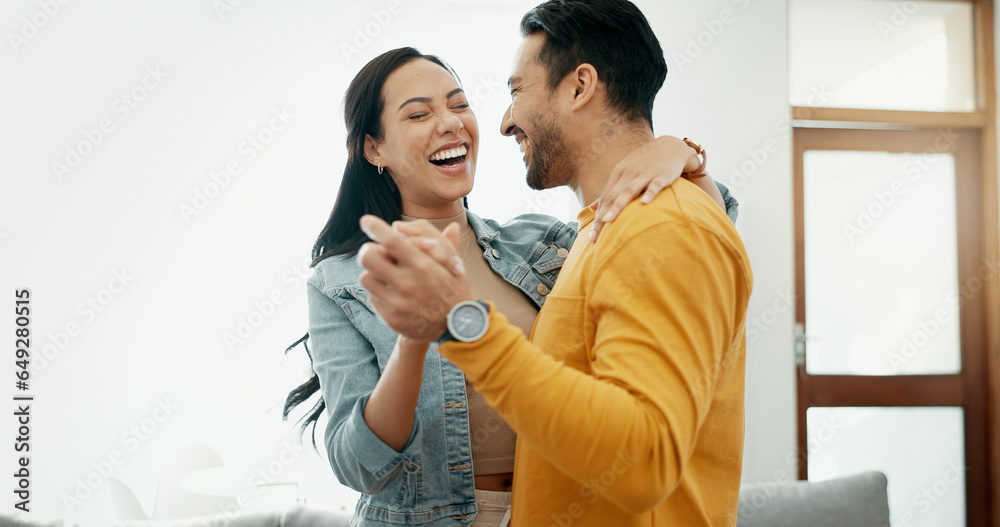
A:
[(660, 321)]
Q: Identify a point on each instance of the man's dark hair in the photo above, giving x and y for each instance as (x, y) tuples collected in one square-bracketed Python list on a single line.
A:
[(611, 35)]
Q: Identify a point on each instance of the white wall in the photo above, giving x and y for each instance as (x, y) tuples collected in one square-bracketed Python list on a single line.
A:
[(733, 95), (158, 337)]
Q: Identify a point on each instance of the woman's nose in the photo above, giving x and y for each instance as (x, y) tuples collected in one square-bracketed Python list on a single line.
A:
[(450, 123)]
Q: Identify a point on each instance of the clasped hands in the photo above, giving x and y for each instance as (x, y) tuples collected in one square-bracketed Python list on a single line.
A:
[(414, 275)]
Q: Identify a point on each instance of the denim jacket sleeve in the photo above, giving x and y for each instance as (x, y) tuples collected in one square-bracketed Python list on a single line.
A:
[(732, 206), (347, 367)]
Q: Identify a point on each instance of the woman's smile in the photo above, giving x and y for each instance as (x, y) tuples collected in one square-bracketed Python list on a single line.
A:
[(429, 141), (451, 159)]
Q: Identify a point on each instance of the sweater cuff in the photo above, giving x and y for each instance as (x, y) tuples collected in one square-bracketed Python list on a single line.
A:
[(478, 359)]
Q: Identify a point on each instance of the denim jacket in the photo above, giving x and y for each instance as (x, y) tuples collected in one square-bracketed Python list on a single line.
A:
[(431, 482)]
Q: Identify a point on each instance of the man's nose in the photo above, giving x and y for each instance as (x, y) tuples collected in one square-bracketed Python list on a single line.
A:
[(507, 126)]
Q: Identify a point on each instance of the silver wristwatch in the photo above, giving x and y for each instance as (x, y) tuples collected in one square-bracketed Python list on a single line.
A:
[(467, 322)]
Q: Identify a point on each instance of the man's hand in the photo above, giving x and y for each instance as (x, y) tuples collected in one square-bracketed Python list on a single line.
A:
[(410, 287)]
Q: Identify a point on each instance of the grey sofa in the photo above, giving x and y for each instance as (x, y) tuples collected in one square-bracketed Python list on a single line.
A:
[(854, 501)]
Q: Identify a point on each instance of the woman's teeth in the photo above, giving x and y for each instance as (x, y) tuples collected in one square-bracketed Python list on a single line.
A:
[(525, 144), (448, 154)]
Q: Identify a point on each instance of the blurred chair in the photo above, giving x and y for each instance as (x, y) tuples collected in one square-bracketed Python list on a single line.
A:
[(173, 501), (127, 506)]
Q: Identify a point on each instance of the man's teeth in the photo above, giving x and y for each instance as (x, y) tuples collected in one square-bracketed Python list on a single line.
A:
[(448, 154), (525, 144)]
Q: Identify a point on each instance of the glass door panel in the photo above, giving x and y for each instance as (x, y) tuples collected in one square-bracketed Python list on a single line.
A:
[(880, 258), (919, 449)]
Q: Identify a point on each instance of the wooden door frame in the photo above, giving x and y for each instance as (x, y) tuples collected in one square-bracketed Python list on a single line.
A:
[(967, 389), (984, 120)]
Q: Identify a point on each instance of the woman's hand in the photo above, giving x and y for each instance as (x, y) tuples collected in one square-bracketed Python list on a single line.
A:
[(649, 169)]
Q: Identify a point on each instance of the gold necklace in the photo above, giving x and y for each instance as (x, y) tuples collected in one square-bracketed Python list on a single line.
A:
[(468, 243)]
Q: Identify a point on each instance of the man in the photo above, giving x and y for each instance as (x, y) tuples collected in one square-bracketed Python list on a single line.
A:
[(628, 400)]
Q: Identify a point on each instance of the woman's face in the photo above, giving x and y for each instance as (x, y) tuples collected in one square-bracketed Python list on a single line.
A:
[(430, 139)]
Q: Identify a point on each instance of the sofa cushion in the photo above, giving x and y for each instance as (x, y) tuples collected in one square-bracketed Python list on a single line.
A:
[(854, 501)]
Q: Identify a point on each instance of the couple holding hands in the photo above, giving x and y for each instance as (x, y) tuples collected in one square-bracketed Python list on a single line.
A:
[(466, 385)]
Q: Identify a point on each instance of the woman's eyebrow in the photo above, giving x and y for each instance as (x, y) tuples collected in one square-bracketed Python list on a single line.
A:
[(427, 100)]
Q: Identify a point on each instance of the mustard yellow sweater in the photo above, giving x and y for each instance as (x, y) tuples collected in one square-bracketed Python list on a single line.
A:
[(628, 401)]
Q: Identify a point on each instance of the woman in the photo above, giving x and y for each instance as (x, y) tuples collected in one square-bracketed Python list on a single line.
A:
[(405, 428)]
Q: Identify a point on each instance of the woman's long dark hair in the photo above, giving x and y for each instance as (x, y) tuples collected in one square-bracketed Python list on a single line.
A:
[(362, 191)]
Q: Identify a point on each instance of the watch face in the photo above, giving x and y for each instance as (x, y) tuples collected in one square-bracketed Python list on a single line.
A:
[(468, 322)]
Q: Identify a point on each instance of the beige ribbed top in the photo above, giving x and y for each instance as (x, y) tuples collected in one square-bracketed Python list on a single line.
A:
[(492, 439)]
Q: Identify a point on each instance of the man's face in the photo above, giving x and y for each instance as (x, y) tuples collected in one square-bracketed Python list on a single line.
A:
[(534, 119)]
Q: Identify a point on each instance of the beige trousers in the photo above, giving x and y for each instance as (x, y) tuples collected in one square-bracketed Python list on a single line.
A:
[(494, 508)]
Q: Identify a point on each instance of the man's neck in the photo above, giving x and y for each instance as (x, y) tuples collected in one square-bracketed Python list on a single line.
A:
[(593, 171)]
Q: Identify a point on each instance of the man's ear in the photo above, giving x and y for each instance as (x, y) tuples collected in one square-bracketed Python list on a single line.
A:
[(371, 151), (585, 84)]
